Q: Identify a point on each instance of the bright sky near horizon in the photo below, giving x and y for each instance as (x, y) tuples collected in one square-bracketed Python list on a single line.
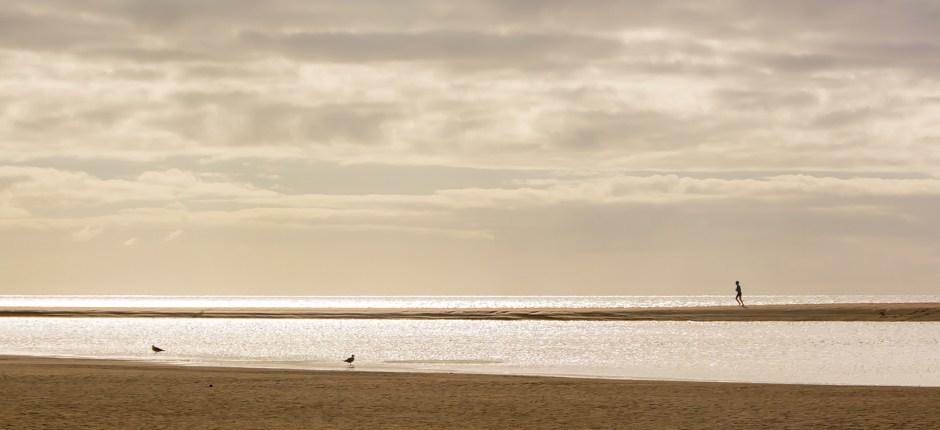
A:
[(487, 147)]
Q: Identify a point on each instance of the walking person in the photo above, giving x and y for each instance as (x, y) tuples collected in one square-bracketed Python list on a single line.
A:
[(737, 297)]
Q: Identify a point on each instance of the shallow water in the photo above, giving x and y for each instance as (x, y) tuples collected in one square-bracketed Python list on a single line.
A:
[(781, 352)]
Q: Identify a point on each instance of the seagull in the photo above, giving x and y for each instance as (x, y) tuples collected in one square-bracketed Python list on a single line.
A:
[(156, 348), (350, 360)]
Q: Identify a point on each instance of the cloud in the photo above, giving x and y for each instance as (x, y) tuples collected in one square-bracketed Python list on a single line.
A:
[(243, 118), (173, 235), (766, 100), (676, 86), (87, 233), (844, 118), (20, 29), (160, 199), (541, 127), (53, 188), (466, 49), (130, 242)]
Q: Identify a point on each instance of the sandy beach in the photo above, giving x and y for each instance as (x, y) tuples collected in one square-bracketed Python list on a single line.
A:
[(804, 312), (43, 393)]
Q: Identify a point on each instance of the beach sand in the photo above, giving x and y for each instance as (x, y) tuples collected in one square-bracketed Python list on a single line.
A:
[(888, 312), (44, 393)]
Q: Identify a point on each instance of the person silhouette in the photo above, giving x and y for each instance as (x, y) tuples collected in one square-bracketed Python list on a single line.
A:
[(737, 297)]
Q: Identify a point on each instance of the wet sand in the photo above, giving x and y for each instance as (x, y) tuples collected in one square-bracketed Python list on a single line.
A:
[(41, 393), (812, 312)]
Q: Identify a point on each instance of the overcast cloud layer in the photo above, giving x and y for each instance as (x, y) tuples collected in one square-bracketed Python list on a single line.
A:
[(505, 147)]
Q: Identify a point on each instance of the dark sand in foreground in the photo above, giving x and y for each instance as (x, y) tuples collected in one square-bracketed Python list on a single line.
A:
[(66, 394), (812, 312)]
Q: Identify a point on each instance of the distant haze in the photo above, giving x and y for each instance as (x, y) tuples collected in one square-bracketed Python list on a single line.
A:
[(488, 147)]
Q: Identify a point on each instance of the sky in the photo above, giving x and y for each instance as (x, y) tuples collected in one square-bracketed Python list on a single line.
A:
[(296, 147)]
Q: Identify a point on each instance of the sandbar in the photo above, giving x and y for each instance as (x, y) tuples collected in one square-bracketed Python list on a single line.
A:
[(885, 312)]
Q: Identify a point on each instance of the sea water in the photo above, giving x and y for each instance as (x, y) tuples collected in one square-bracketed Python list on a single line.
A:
[(879, 353), (451, 302)]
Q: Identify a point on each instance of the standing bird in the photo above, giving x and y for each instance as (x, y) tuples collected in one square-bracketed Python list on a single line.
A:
[(350, 360), (156, 348)]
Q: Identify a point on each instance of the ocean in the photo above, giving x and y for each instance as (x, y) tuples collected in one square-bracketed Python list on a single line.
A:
[(455, 302)]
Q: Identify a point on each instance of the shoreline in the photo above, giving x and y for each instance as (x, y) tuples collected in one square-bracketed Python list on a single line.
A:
[(870, 312), (71, 393), (130, 362)]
